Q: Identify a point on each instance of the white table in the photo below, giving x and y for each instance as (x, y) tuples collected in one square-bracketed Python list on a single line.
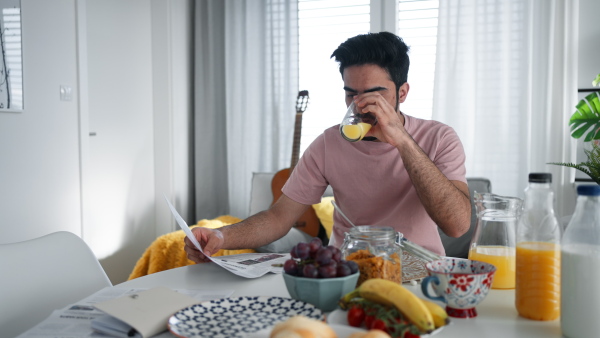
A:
[(497, 316)]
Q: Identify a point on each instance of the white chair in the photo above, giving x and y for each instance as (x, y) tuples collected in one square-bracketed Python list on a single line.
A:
[(44, 274)]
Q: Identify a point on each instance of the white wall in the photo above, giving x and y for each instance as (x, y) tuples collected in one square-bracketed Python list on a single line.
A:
[(39, 147), (120, 222), (116, 55), (139, 103), (589, 42)]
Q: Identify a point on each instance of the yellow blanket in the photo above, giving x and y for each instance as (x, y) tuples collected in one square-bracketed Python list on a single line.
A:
[(166, 252)]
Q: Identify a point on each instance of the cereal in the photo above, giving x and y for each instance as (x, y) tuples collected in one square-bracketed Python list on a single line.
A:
[(371, 266)]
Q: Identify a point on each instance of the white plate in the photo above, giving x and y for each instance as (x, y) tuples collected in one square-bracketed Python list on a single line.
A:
[(340, 330), (237, 317), (340, 317)]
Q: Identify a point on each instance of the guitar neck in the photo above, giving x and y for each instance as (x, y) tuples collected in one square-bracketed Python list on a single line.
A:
[(296, 144)]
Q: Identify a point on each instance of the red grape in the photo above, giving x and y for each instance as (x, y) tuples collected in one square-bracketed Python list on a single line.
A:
[(323, 256), (301, 251), (313, 260), (310, 271), (336, 253), (328, 271), (343, 270), (290, 267), (353, 266)]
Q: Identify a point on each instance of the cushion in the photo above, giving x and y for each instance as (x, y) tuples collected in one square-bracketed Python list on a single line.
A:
[(324, 211), (166, 252)]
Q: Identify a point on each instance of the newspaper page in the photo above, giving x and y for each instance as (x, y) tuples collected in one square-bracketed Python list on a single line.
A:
[(75, 320), (251, 265)]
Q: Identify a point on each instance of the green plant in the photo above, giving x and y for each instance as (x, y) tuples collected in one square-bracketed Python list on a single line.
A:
[(586, 121), (591, 167)]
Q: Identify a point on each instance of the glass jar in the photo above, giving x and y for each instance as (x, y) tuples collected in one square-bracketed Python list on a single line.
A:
[(376, 251)]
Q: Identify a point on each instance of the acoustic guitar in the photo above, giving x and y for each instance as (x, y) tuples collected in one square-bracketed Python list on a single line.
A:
[(308, 222)]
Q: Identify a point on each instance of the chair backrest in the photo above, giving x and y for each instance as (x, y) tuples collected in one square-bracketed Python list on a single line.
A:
[(261, 195), (44, 274), (459, 247)]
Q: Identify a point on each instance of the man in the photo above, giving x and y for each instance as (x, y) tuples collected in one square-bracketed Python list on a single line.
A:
[(406, 173)]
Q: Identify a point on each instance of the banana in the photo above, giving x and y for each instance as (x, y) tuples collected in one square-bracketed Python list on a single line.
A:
[(389, 293), (440, 316)]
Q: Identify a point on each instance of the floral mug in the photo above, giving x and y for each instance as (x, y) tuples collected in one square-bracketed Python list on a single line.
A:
[(460, 283)]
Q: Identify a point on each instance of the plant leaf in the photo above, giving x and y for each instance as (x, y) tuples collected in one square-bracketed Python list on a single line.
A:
[(591, 167), (586, 119), (596, 81)]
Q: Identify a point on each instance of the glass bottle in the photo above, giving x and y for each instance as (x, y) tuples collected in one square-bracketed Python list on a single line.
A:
[(537, 287), (580, 271), (376, 251)]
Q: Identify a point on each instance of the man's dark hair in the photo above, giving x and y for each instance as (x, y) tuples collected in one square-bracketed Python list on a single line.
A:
[(383, 49)]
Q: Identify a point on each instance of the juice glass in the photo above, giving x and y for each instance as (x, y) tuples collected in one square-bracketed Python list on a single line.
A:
[(494, 239), (355, 124)]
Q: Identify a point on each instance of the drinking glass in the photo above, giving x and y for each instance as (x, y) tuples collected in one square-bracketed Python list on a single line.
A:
[(355, 124)]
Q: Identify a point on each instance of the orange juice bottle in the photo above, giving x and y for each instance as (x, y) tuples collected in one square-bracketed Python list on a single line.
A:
[(537, 288), (503, 257)]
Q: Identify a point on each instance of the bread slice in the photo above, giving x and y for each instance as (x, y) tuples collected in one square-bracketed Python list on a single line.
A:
[(302, 327)]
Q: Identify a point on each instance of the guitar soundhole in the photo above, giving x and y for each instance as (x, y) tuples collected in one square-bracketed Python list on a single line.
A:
[(300, 224)]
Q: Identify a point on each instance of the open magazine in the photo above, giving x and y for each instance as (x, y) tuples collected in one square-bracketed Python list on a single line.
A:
[(250, 265)]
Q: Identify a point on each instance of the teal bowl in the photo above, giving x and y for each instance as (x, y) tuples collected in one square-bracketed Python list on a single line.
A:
[(323, 293)]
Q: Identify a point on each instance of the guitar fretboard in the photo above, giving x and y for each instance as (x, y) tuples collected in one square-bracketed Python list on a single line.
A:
[(297, 137)]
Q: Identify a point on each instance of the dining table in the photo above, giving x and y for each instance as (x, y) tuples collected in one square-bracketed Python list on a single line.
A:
[(497, 315)]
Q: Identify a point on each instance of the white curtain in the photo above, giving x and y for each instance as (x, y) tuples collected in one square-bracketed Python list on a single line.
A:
[(506, 81), (246, 83)]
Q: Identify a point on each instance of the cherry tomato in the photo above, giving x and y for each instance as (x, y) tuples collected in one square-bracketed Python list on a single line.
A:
[(379, 324), (411, 335), (369, 321), (356, 316)]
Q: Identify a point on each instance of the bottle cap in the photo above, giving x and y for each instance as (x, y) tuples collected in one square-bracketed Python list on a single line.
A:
[(588, 190), (540, 178)]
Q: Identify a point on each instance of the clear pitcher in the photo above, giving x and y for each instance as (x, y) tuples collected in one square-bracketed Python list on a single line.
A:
[(494, 239)]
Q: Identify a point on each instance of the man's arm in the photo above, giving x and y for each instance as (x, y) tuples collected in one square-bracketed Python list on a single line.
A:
[(447, 202), (257, 230)]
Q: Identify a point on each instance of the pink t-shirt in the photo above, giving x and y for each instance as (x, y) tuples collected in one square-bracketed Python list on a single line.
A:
[(370, 183)]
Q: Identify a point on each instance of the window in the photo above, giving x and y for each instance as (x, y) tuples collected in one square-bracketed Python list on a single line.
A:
[(417, 25), (324, 24)]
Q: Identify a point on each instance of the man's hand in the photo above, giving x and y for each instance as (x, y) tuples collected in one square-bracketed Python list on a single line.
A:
[(390, 124), (211, 241)]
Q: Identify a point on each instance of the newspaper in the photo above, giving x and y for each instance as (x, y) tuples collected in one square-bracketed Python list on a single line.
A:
[(76, 320), (251, 265)]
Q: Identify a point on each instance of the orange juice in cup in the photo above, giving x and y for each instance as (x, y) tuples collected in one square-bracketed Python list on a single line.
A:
[(355, 132), (356, 124), (503, 258)]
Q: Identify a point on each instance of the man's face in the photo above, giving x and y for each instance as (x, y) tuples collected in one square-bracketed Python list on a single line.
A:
[(369, 78)]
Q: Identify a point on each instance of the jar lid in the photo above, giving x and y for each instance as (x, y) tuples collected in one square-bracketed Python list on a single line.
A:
[(588, 190), (540, 178)]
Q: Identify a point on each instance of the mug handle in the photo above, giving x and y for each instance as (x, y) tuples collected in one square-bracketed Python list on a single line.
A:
[(425, 288)]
